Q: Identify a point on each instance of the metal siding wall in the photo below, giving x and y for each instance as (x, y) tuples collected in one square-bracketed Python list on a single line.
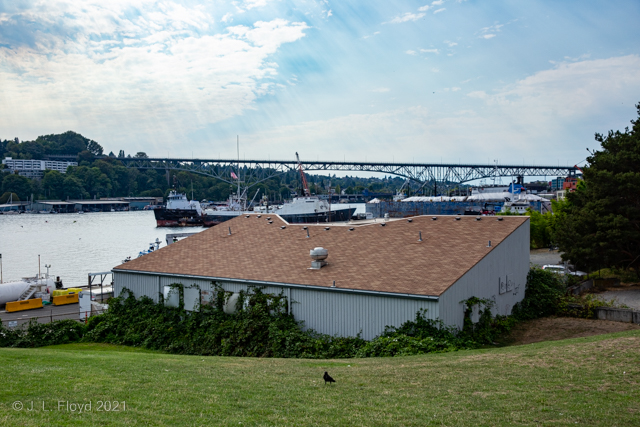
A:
[(510, 259), (337, 313), (139, 284), (333, 313)]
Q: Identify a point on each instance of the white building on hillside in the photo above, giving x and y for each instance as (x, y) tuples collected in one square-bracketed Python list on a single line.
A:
[(35, 168)]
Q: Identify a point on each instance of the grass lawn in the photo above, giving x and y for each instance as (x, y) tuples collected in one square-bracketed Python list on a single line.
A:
[(584, 381)]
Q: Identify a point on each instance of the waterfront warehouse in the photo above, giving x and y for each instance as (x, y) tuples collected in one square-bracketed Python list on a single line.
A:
[(375, 274)]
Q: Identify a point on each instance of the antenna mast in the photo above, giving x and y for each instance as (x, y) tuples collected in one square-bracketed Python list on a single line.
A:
[(305, 186), (238, 147)]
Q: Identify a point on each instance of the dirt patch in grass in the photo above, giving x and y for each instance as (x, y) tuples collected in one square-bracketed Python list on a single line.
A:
[(560, 328)]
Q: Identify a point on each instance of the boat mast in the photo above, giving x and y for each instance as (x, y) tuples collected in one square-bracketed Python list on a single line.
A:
[(238, 177), (305, 186)]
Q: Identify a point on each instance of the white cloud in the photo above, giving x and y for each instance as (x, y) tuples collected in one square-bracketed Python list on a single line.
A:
[(495, 27), (410, 52), (228, 17), (437, 2), (140, 74), (381, 90), (579, 58), (371, 35), (490, 32), (406, 17), (439, 10), (455, 89), (531, 118), (429, 51), (329, 13), (250, 4), (450, 44), (477, 94), (423, 8)]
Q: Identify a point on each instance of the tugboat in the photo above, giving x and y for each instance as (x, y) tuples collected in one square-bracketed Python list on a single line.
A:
[(179, 212)]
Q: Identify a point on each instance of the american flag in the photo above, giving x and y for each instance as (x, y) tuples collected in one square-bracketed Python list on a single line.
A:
[(234, 176)]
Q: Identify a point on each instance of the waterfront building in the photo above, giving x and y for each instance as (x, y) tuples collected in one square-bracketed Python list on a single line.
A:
[(375, 274)]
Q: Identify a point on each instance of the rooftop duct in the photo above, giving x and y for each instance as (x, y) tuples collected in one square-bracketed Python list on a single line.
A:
[(318, 255)]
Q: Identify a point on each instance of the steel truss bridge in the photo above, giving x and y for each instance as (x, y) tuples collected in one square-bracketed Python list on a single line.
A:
[(256, 171)]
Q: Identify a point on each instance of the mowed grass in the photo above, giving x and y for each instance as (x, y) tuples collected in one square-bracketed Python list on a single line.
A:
[(585, 381)]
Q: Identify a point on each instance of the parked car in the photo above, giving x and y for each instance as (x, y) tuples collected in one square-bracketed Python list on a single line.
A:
[(562, 270)]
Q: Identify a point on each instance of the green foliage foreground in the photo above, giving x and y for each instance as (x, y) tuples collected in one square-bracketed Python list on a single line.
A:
[(262, 327)]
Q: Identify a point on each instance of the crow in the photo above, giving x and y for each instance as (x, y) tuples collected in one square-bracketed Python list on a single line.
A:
[(327, 378)]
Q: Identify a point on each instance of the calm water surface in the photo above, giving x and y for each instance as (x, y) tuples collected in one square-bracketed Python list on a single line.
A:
[(76, 244)]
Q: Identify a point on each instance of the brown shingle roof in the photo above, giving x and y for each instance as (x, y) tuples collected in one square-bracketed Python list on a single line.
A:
[(371, 257)]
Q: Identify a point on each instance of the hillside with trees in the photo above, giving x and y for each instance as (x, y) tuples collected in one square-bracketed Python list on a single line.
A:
[(99, 176)]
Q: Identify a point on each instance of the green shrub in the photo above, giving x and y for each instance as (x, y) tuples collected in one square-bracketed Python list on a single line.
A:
[(263, 327), (581, 305), (42, 334), (542, 296)]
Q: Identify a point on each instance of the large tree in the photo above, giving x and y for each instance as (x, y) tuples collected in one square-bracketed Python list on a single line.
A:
[(600, 225), (17, 184)]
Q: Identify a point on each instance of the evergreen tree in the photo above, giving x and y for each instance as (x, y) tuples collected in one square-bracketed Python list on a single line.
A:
[(600, 225)]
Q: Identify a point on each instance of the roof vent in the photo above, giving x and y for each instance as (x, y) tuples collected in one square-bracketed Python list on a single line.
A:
[(489, 245), (327, 228), (283, 227), (269, 222), (382, 224), (247, 216), (433, 218), (478, 218), (268, 218), (500, 218), (457, 218), (259, 216), (409, 220), (229, 231), (334, 284), (307, 232), (351, 228), (305, 227), (420, 234), (318, 255)]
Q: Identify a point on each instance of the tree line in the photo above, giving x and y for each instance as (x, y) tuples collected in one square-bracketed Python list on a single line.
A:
[(106, 176)]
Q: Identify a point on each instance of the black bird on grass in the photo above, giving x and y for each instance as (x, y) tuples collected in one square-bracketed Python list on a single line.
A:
[(327, 378)]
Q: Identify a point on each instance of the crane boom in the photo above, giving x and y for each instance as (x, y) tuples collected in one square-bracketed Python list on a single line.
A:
[(305, 186)]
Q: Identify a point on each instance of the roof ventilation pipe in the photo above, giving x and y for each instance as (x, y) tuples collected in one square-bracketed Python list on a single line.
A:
[(489, 245), (420, 234), (318, 255)]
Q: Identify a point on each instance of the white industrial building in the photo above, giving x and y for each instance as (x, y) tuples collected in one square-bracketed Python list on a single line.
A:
[(35, 168), (376, 274)]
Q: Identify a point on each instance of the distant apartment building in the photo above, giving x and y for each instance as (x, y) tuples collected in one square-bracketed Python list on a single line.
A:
[(556, 184), (35, 168)]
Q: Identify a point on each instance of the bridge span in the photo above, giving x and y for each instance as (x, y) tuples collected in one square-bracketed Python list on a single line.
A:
[(260, 170)]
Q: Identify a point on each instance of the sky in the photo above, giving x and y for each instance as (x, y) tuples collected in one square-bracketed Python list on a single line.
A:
[(406, 81)]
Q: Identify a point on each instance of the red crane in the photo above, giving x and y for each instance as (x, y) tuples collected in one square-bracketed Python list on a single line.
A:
[(305, 186)]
